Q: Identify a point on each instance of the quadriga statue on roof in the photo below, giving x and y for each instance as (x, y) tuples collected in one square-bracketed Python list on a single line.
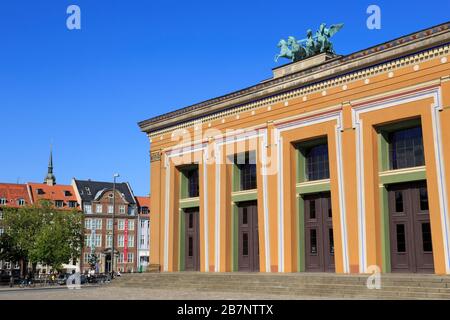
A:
[(319, 43)]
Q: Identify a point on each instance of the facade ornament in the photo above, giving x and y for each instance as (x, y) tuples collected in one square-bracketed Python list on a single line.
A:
[(155, 156), (296, 50)]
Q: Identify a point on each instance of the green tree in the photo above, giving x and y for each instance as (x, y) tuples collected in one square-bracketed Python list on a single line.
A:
[(60, 241), (41, 234), (21, 229)]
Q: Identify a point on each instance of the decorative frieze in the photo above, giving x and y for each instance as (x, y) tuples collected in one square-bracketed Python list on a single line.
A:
[(319, 87), (155, 156)]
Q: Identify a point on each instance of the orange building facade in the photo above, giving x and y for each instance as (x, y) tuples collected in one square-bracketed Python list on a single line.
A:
[(336, 164)]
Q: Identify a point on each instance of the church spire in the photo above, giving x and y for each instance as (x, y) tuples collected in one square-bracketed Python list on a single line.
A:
[(50, 179)]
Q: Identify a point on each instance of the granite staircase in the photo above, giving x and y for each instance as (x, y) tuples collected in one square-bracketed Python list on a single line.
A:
[(303, 285)]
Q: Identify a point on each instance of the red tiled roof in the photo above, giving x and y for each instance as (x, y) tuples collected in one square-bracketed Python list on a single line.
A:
[(42, 191), (143, 201), (13, 193)]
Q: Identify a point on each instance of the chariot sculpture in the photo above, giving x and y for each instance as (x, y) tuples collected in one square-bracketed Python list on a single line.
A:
[(296, 50)]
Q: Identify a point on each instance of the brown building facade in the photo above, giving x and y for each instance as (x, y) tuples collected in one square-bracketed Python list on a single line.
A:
[(97, 199)]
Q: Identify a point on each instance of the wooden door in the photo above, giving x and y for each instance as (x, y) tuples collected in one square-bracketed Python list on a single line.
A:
[(319, 237), (410, 228), (192, 240)]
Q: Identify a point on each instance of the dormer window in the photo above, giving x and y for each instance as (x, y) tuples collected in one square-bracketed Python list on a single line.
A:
[(67, 193), (73, 204), (40, 191), (88, 191)]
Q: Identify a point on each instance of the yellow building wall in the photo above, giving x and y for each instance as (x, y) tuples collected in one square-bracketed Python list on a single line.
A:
[(347, 99)]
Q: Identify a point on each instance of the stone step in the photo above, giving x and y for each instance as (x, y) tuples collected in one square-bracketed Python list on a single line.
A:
[(283, 285), (314, 285), (286, 275), (321, 292), (422, 284)]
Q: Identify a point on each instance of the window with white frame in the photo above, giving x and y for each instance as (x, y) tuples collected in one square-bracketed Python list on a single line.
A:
[(130, 224), (87, 208), (86, 257), (130, 241), (121, 224), (142, 241), (98, 224), (98, 240), (122, 209), (21, 202), (59, 203), (120, 240), (109, 224), (109, 241), (110, 209), (3, 201), (87, 240), (130, 257), (88, 224), (120, 258), (99, 208)]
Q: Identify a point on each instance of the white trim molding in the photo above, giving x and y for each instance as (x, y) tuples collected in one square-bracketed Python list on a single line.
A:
[(336, 115), (409, 95), (166, 212), (205, 207), (264, 146), (172, 153), (240, 136), (218, 158)]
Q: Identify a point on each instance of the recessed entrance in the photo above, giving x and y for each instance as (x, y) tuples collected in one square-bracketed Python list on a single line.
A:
[(410, 228), (192, 240), (248, 257), (319, 239), (108, 263)]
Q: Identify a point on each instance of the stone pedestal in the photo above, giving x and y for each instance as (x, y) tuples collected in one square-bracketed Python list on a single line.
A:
[(302, 65)]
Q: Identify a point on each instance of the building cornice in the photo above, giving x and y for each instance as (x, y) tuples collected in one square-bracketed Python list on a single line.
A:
[(391, 55)]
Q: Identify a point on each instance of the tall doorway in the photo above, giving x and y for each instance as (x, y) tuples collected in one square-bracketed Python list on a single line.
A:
[(410, 228), (192, 240), (248, 238), (319, 239)]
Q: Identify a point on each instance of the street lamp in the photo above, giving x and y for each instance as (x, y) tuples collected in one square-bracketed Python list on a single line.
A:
[(116, 175)]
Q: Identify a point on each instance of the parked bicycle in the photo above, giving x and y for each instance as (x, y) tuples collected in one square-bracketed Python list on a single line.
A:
[(27, 283)]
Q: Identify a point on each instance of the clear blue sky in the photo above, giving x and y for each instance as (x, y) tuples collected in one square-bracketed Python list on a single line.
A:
[(86, 90)]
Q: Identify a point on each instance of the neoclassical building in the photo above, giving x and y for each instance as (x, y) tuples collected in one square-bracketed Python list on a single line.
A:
[(335, 164)]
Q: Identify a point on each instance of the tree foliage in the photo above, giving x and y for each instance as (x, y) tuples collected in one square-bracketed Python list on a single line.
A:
[(41, 234), (93, 260)]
